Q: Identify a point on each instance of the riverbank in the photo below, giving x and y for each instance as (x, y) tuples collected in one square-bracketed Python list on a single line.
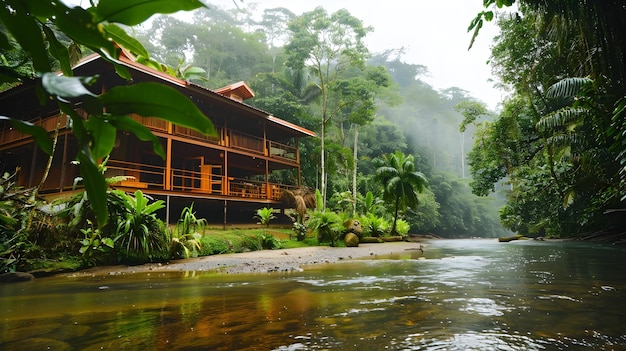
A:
[(264, 261)]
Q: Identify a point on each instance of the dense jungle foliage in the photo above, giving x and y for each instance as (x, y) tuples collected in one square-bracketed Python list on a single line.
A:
[(393, 151), (374, 100)]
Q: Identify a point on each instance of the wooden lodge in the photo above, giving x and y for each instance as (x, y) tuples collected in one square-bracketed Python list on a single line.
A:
[(253, 158)]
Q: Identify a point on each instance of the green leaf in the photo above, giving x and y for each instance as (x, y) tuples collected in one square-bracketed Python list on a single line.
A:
[(477, 26), (108, 242), (5, 44), (7, 220), (194, 73), (79, 25), (141, 131), (95, 185), (122, 38), (25, 30), (157, 100), (58, 51), (39, 134), (66, 87), (104, 134), (133, 12)]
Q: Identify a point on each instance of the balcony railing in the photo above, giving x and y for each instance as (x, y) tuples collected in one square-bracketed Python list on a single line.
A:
[(229, 138), (146, 176), (225, 137), (10, 134)]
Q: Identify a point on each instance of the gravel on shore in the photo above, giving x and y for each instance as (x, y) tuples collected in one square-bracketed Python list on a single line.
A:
[(265, 260)]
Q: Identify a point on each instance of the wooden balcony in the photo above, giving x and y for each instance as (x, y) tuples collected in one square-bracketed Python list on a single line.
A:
[(228, 138), (153, 177), (10, 134)]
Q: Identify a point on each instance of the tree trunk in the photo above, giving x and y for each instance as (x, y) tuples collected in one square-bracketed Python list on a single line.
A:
[(395, 217), (354, 173), (49, 164)]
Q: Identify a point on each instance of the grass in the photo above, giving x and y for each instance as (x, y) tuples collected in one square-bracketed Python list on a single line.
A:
[(219, 241)]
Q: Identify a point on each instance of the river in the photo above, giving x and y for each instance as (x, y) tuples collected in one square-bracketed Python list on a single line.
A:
[(457, 295)]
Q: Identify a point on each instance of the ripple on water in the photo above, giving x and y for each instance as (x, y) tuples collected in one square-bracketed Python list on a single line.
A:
[(468, 341), (356, 280), (481, 306)]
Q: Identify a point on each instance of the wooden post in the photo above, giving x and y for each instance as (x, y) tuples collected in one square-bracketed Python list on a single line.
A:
[(168, 166), (225, 206)]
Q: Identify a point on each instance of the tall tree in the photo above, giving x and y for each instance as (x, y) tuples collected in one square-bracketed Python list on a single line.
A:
[(471, 111), (564, 64), (328, 45), (401, 183)]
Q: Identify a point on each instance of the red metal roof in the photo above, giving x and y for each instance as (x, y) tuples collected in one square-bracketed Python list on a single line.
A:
[(242, 88)]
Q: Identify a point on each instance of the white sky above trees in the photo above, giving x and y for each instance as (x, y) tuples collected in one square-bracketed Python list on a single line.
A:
[(433, 33)]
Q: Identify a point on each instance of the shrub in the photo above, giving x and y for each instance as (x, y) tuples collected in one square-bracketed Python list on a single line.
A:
[(299, 230), (185, 239), (140, 234), (327, 224), (402, 227), (269, 242), (211, 245), (377, 226)]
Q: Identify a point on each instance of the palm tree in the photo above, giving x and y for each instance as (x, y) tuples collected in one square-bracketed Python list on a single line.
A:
[(401, 183)]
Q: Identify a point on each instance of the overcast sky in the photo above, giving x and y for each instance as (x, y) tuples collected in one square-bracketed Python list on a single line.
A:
[(433, 32)]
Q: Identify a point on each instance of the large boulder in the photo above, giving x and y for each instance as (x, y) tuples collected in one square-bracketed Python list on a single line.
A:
[(351, 240), (354, 226)]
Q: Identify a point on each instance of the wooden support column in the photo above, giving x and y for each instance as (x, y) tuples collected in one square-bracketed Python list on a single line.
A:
[(168, 166), (298, 161), (226, 182), (167, 209), (63, 163), (225, 212), (267, 179)]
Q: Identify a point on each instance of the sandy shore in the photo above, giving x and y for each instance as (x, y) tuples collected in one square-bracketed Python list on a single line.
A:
[(266, 260)]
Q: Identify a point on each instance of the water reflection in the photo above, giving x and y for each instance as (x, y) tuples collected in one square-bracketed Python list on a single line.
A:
[(466, 295)]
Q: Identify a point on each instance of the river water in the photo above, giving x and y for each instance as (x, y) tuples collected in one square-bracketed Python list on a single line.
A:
[(465, 295)]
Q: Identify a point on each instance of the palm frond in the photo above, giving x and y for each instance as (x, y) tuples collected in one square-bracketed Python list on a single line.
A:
[(568, 87), (562, 118)]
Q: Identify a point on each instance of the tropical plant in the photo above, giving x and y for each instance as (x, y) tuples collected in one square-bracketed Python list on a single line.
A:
[(186, 238), (369, 203), (376, 226), (401, 183), (327, 224), (35, 27), (141, 234), (15, 207), (264, 216), (342, 201), (94, 246), (402, 227), (29, 232), (269, 242)]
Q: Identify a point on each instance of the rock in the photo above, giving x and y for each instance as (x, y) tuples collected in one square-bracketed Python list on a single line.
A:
[(14, 277), (351, 240), (354, 226)]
